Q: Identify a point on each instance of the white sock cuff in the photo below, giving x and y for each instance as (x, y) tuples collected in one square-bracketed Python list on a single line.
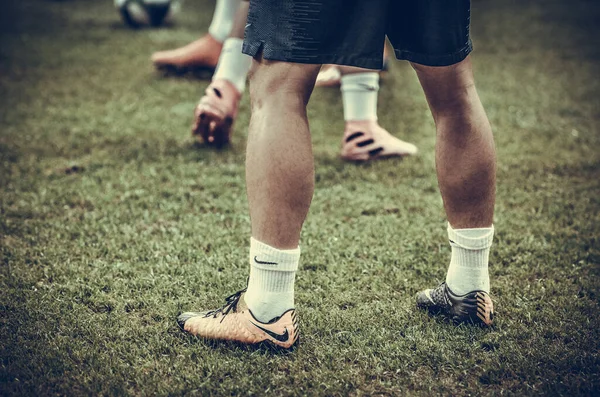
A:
[(233, 65), (222, 21), (471, 239), (263, 256), (368, 81)]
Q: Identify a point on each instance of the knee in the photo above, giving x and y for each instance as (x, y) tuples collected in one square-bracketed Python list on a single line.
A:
[(449, 89), (281, 83)]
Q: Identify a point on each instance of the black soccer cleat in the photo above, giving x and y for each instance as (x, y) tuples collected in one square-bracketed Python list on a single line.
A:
[(475, 307)]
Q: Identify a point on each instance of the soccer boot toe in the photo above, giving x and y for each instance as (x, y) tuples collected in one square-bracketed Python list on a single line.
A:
[(184, 317)]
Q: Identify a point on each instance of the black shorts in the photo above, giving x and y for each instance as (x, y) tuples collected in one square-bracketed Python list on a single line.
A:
[(352, 32)]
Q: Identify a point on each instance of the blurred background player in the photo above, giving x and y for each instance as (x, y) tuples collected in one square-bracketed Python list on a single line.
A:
[(364, 138)]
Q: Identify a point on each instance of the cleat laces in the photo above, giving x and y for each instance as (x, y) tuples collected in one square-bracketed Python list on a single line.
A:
[(230, 304)]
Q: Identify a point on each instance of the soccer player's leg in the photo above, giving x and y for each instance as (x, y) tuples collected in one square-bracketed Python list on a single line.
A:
[(216, 112), (204, 52), (279, 161), (466, 168), (280, 184), (465, 156), (364, 139)]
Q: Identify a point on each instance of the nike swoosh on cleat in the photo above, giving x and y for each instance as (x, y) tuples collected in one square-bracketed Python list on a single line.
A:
[(280, 337), (264, 263)]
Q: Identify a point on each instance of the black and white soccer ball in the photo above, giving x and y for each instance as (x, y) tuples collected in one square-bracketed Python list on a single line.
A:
[(139, 13)]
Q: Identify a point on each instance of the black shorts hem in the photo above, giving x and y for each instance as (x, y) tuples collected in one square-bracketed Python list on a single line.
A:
[(274, 54), (435, 60)]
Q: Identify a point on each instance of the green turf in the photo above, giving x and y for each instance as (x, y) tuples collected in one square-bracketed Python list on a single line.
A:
[(112, 221)]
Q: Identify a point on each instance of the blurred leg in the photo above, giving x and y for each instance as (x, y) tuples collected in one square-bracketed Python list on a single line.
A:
[(216, 112)]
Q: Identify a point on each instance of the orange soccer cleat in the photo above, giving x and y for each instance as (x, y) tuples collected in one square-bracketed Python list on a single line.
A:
[(235, 322)]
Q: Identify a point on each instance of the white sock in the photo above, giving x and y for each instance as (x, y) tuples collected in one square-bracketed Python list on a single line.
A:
[(468, 269), (222, 21), (359, 94), (233, 66), (270, 290)]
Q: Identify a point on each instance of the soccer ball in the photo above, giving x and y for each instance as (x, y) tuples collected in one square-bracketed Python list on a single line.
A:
[(138, 13)]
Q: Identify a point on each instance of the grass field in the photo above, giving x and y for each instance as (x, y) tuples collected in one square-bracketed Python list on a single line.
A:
[(112, 221)]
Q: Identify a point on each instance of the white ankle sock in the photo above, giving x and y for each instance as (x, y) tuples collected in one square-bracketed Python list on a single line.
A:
[(359, 95), (271, 284), (468, 269), (222, 21), (233, 66)]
